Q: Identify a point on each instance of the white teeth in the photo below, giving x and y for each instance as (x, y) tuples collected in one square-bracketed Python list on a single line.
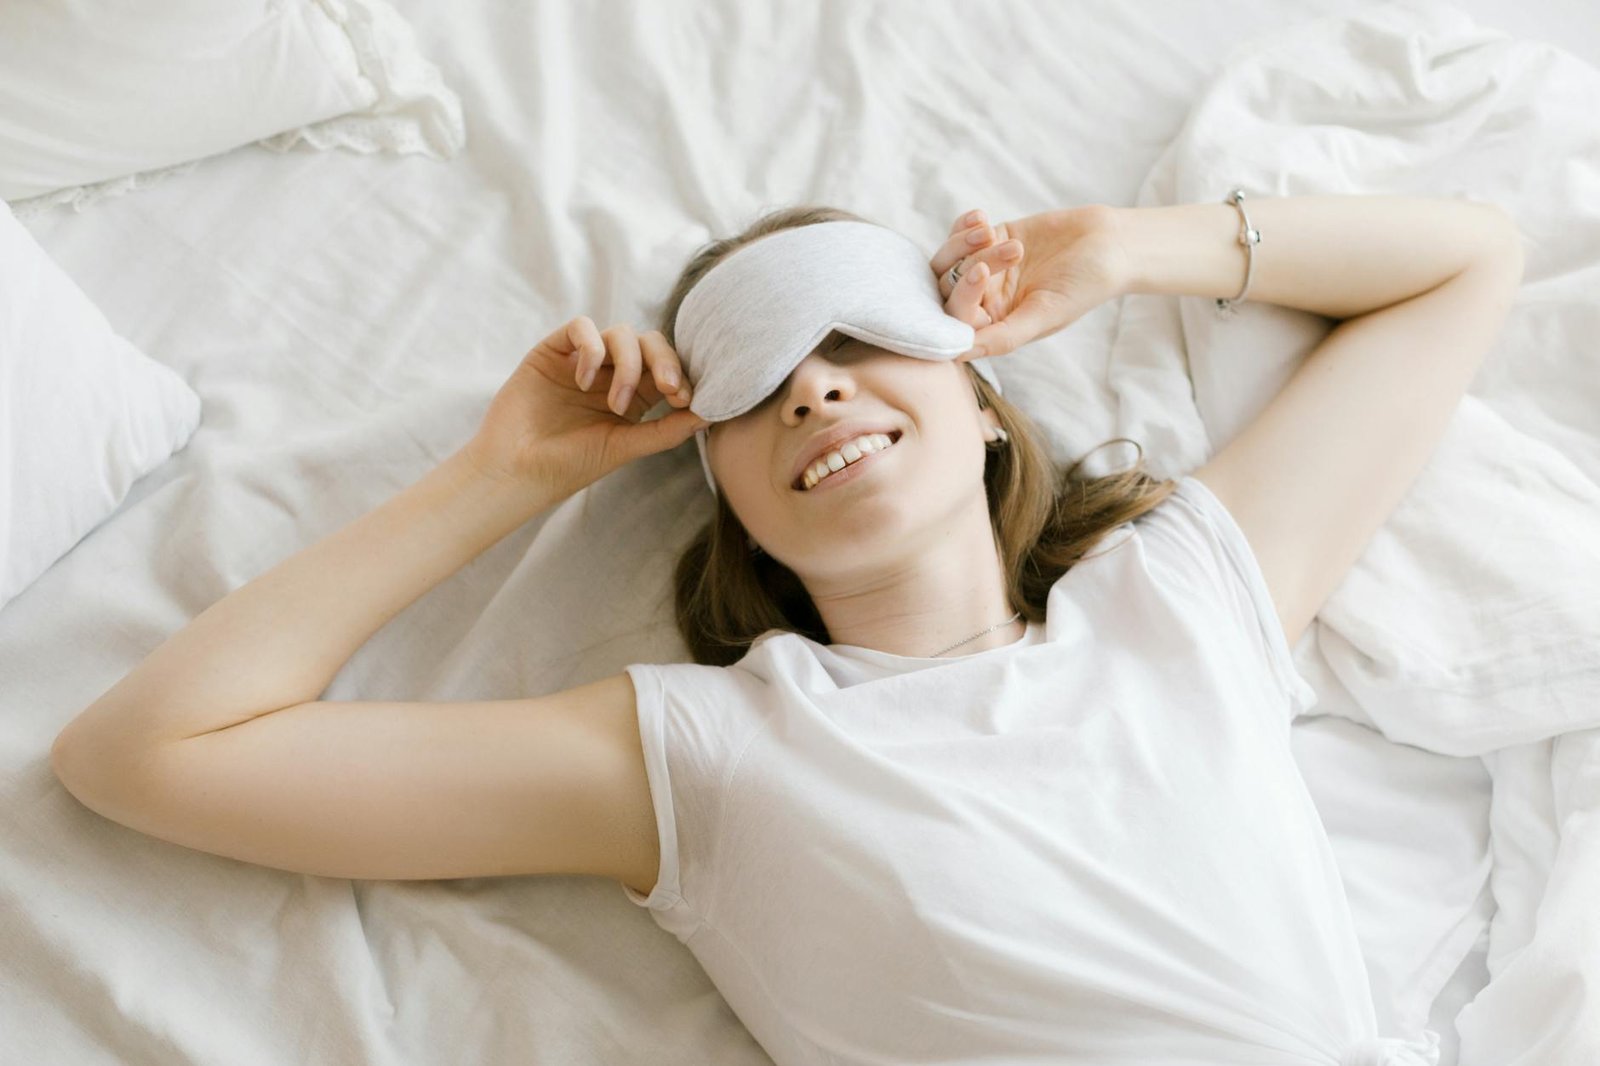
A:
[(847, 454)]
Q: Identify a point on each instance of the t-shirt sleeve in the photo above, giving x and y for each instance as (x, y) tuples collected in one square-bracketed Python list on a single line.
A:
[(694, 721), (1192, 540)]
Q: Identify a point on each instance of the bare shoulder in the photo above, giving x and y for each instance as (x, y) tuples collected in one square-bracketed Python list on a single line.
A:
[(610, 707), (641, 859)]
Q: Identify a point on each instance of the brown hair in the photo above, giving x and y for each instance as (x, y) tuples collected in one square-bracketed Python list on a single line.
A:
[(1045, 519)]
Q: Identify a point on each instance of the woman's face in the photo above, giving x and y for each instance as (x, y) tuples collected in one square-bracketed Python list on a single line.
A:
[(900, 500)]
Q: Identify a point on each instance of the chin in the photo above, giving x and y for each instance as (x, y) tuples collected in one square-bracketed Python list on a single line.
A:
[(870, 519)]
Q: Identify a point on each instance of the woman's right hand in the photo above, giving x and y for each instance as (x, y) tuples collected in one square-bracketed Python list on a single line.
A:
[(555, 421), (1070, 262)]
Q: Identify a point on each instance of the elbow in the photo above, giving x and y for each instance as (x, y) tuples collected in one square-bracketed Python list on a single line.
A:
[(88, 771), (74, 768), (61, 758), (1503, 242), (1497, 260)]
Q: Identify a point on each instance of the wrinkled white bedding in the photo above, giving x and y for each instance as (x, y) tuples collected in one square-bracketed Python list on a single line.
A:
[(1471, 623), (346, 318)]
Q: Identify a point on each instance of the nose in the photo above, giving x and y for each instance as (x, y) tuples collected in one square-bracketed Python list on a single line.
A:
[(815, 381)]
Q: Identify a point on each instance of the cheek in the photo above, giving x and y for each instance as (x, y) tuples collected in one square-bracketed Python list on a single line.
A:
[(945, 460), (737, 460)]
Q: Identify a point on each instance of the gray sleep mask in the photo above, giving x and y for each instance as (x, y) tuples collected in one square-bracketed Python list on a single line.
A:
[(756, 315)]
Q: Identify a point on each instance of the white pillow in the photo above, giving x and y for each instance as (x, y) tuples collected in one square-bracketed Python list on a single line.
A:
[(98, 96), (83, 413)]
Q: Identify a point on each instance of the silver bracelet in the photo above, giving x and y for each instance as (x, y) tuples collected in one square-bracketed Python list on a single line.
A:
[(1249, 237)]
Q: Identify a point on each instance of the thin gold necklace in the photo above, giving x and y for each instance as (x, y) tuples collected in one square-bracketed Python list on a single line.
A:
[(975, 636)]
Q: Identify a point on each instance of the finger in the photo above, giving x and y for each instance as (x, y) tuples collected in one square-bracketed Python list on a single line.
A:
[(991, 303), (622, 345), (964, 301), (568, 339), (960, 245), (648, 390), (666, 377), (971, 218), (1002, 291), (999, 257), (627, 443), (1040, 314), (581, 342)]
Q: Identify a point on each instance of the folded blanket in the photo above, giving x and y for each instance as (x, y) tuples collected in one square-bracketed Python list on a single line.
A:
[(1470, 624)]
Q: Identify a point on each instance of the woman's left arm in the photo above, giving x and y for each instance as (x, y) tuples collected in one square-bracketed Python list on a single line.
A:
[(1339, 256), (1421, 287), (1427, 285)]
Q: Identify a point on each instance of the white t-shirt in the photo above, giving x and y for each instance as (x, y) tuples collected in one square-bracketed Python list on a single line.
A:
[(1090, 845)]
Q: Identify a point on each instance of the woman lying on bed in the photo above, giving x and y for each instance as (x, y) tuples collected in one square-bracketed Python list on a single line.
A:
[(978, 760)]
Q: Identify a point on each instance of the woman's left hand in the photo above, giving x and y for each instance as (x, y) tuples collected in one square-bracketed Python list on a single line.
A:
[(1074, 261), (985, 253)]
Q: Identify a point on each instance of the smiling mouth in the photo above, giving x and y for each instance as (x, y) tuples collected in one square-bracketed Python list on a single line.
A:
[(799, 485)]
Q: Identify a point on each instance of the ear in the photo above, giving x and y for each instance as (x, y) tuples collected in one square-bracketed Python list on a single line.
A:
[(991, 423)]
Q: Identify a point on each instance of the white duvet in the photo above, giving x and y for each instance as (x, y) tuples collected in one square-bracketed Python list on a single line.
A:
[(346, 318), (1471, 623)]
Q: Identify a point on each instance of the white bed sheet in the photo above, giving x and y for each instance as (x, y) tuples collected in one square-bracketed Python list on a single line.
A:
[(345, 320)]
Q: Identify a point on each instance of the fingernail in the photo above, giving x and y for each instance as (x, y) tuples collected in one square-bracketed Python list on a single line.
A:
[(670, 377), (978, 236), (624, 394), (977, 353), (586, 379), (973, 216)]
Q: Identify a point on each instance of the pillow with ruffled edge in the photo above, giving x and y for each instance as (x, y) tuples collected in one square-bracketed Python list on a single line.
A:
[(83, 413), (99, 97)]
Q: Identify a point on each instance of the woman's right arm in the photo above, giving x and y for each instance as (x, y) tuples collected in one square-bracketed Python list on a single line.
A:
[(379, 790), (279, 640), (220, 728)]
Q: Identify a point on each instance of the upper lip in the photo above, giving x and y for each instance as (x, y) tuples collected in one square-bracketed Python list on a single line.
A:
[(830, 439)]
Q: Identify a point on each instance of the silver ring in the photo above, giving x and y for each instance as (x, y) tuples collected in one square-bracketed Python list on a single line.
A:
[(954, 273)]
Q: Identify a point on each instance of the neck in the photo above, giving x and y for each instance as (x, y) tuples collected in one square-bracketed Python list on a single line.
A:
[(927, 600)]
